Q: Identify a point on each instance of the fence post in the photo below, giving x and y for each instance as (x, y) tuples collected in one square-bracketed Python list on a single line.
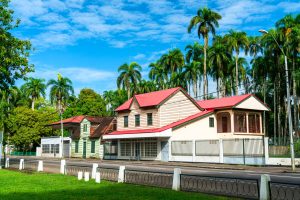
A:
[(176, 179), (7, 163), (40, 166), (266, 150), (264, 192), (221, 151), (194, 150), (121, 178), (80, 175), (97, 177), (86, 176), (21, 166), (62, 166), (94, 170)]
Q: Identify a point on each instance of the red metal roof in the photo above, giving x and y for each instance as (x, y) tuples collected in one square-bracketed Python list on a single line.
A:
[(78, 119), (149, 99), (222, 102), (75, 119), (155, 130)]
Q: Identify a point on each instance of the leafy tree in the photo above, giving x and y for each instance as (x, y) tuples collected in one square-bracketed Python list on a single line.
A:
[(14, 52), (113, 99), (88, 103), (27, 126), (60, 92), (129, 75), (34, 88), (206, 20)]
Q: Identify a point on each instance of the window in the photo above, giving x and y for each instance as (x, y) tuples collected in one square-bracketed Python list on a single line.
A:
[(137, 120), (149, 119), (93, 146), (54, 148), (84, 127), (111, 148), (223, 122), (76, 146), (125, 148), (125, 121), (46, 148), (254, 123), (211, 122), (240, 123)]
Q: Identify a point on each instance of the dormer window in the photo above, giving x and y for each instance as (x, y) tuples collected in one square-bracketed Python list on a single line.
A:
[(84, 127), (137, 120), (149, 119), (125, 121)]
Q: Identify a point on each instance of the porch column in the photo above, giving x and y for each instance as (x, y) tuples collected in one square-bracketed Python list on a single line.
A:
[(232, 121), (247, 124), (261, 124), (221, 152), (194, 151)]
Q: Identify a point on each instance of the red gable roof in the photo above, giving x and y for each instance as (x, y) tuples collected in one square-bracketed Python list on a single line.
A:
[(155, 130), (75, 119), (222, 102), (149, 99), (78, 119)]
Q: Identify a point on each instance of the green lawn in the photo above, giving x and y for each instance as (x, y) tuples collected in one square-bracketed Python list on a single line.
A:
[(19, 185)]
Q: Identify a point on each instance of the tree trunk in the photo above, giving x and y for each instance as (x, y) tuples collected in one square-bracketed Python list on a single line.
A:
[(275, 114), (204, 68), (295, 98), (195, 88), (218, 88), (32, 104), (236, 73)]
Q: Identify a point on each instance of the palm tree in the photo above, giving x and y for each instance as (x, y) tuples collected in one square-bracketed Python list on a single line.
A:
[(34, 88), (129, 74), (60, 91), (206, 20), (192, 74), (289, 26), (158, 74), (146, 86), (218, 58), (194, 52), (172, 61), (236, 41)]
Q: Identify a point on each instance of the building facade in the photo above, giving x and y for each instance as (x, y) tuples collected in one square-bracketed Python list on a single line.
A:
[(170, 125), (85, 134)]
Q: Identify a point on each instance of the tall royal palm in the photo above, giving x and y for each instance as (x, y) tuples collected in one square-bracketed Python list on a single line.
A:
[(60, 91), (158, 74), (129, 75), (34, 88), (191, 74), (206, 20), (218, 58), (236, 41), (172, 61), (194, 52)]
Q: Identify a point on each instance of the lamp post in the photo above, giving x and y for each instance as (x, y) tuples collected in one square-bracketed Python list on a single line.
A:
[(288, 101)]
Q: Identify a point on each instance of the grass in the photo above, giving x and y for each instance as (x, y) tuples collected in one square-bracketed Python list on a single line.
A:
[(20, 185)]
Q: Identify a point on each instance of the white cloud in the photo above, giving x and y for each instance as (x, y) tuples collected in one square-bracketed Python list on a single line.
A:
[(289, 7), (139, 56), (76, 74)]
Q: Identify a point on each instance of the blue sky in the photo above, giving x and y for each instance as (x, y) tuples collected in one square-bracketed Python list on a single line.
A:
[(87, 40)]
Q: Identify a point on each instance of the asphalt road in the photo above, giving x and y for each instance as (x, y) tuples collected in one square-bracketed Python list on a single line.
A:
[(278, 174)]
